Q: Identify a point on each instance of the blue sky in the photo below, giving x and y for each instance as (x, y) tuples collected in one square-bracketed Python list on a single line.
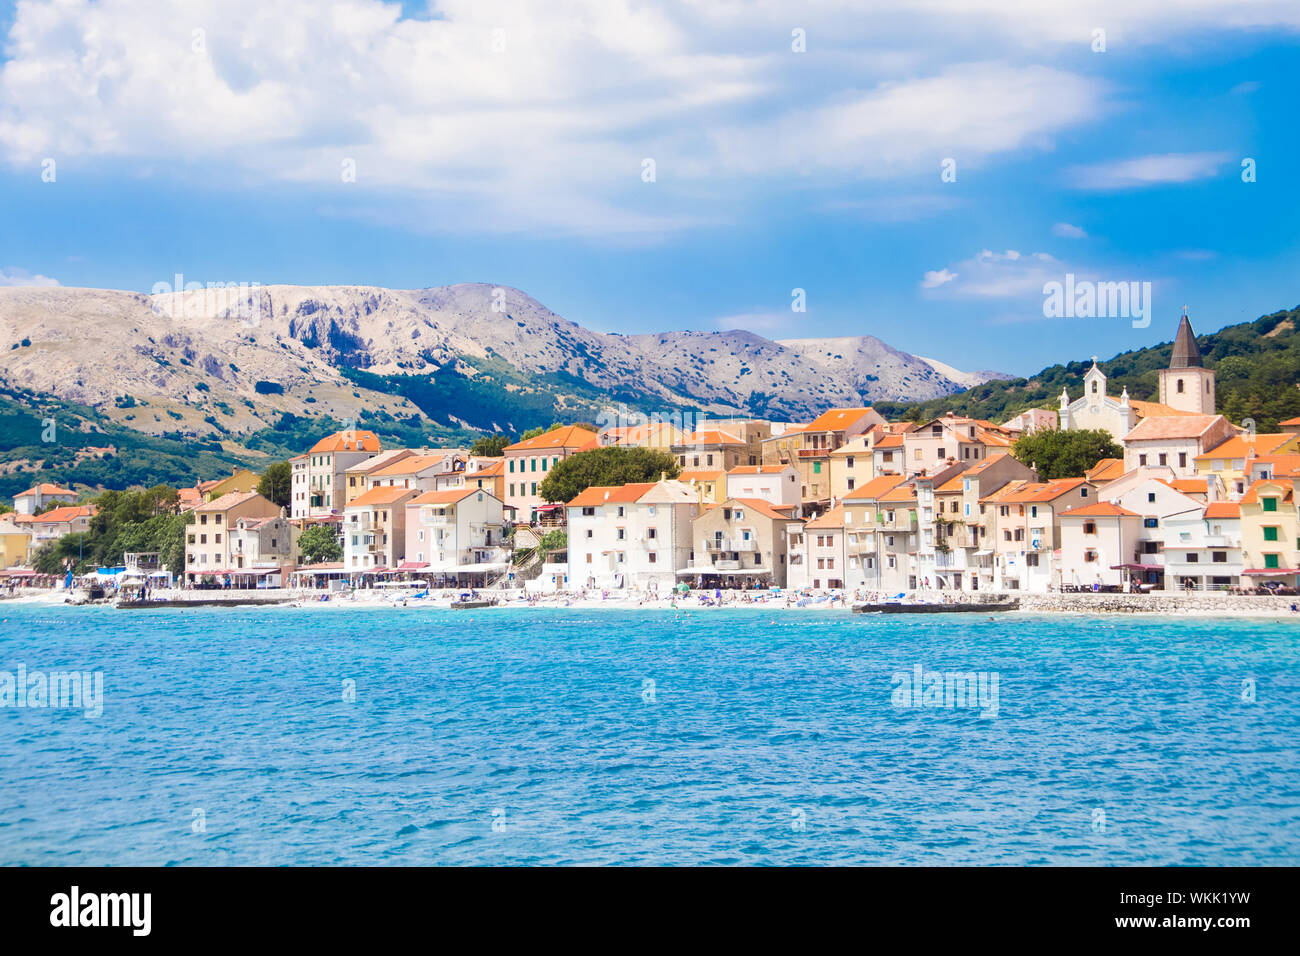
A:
[(516, 158)]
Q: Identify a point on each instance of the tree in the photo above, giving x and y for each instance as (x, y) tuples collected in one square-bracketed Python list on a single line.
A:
[(610, 465), (489, 446), (318, 543), (539, 430), (1065, 454), (276, 482)]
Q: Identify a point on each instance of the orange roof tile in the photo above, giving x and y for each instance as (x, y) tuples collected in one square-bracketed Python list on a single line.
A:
[(66, 513), (1238, 446), (991, 459), (1155, 409), (1284, 466), (874, 488), (347, 441), (1102, 509), (566, 436), (1171, 426), (831, 519), (1223, 509), (228, 501), (447, 497), (1108, 469), (711, 436), (1188, 485), (45, 488), (409, 466), (758, 469), (762, 507), (1251, 497), (905, 492), (836, 419), (498, 467), (699, 474), (598, 495), (382, 495), (955, 483)]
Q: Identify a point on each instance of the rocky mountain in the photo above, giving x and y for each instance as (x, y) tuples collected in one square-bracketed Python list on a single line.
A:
[(226, 362)]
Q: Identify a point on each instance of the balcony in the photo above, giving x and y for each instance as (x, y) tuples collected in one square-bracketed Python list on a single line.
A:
[(726, 544)]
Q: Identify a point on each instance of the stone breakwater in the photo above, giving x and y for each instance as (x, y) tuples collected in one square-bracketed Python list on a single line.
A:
[(1206, 604)]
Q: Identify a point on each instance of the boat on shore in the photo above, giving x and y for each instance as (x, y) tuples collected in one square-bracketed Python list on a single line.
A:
[(469, 600), (918, 607)]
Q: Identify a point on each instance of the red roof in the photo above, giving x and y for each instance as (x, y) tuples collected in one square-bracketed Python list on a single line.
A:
[(598, 495), (567, 436), (66, 513), (347, 441), (1103, 509), (448, 497), (382, 495), (1223, 509), (46, 489)]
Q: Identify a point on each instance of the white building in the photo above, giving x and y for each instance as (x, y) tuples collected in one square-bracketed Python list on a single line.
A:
[(632, 536), (775, 484), (459, 528)]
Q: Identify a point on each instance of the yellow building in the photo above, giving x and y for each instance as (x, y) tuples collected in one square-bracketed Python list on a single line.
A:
[(14, 544), (240, 480), (1230, 460), (1270, 533), (712, 484)]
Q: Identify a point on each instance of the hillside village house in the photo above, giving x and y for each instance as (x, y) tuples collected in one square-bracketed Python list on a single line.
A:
[(265, 547), (1175, 547), (879, 525), (41, 495), (322, 490), (1270, 534), (708, 484), (421, 471), (357, 475), (635, 535), (487, 475), (1027, 526), (1174, 441), (979, 483), (374, 529), (658, 435), (1096, 542), (817, 555), (852, 465), (528, 461), (1230, 461), (809, 448), (740, 542), (711, 449), (723, 444), (775, 484), (931, 561), (456, 530), (208, 545), (1033, 420), (951, 439), (58, 523)]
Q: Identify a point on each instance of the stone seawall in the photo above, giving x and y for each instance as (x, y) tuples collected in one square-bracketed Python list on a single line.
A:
[(1213, 603)]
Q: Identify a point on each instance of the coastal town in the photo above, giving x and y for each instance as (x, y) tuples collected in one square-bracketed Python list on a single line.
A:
[(847, 502)]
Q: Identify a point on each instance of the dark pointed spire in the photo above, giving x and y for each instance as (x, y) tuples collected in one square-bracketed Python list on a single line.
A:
[(1186, 353)]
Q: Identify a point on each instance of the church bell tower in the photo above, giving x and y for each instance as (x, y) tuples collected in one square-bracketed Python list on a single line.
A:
[(1186, 384)]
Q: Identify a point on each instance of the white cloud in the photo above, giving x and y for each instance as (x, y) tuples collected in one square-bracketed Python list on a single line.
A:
[(1065, 230), (936, 278), (1152, 170), (549, 133), (996, 275), (13, 276)]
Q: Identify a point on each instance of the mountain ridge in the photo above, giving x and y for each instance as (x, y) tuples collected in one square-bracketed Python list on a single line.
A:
[(229, 362)]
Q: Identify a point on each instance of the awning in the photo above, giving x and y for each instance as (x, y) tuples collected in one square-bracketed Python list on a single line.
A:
[(548, 507), (472, 568), (1270, 572), (375, 570), (983, 554), (412, 565), (1137, 567)]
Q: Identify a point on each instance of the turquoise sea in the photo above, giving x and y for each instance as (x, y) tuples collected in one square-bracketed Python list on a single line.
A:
[(517, 736)]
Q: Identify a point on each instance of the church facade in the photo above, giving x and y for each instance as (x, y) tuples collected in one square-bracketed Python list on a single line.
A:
[(1186, 388)]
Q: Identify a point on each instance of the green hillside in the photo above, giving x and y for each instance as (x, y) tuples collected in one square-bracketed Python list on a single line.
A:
[(1256, 365)]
